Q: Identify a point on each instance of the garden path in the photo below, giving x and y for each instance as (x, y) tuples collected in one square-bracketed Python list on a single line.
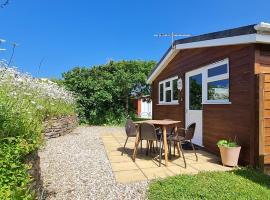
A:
[(76, 166)]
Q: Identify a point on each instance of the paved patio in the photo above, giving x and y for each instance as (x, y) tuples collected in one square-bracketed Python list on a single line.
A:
[(146, 167)]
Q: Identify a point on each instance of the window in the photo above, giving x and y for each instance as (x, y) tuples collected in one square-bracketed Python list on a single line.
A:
[(175, 89), (217, 70), (195, 92), (218, 82), (161, 96), (218, 90), (168, 91)]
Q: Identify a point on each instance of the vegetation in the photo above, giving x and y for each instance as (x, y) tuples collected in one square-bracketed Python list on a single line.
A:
[(226, 143), (25, 102), (240, 184), (103, 92)]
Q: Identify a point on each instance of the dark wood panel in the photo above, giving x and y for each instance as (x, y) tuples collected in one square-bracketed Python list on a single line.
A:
[(219, 121)]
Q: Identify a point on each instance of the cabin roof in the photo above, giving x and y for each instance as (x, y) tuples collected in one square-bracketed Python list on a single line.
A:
[(255, 33)]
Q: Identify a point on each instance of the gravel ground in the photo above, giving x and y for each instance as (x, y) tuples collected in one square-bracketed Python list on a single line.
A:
[(75, 166)]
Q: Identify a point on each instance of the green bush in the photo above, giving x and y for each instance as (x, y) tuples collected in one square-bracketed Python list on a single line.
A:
[(14, 179), (103, 92), (25, 102)]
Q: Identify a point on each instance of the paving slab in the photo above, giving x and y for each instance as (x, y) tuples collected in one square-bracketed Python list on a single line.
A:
[(147, 166)]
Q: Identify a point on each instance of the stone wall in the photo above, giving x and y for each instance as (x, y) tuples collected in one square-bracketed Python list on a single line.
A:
[(56, 127), (34, 161)]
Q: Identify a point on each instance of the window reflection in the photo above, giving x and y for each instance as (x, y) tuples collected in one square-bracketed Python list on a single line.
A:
[(222, 69), (195, 92), (218, 90), (168, 95)]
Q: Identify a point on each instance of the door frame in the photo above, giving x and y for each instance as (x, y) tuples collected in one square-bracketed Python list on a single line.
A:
[(187, 75)]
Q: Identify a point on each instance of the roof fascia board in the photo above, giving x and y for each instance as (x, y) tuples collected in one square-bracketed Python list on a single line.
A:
[(163, 64), (235, 40), (242, 39), (262, 38)]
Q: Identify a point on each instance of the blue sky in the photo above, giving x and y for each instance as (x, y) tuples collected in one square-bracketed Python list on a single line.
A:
[(69, 33)]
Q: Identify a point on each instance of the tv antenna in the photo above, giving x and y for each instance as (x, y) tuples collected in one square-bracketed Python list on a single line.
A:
[(172, 35)]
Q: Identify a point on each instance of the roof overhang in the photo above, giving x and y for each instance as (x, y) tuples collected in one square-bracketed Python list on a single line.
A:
[(262, 36)]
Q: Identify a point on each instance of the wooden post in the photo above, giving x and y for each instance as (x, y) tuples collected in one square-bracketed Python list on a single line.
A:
[(165, 144), (261, 119)]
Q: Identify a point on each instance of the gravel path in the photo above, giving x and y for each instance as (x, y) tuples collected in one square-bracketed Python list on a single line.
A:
[(75, 166)]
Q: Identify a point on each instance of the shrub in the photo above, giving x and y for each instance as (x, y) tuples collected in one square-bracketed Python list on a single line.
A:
[(25, 102), (103, 92)]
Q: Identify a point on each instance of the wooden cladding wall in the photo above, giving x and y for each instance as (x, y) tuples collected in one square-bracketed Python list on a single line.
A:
[(264, 116), (262, 58), (235, 120), (263, 66)]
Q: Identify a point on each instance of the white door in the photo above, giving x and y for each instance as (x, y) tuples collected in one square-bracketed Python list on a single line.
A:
[(193, 103), (146, 109)]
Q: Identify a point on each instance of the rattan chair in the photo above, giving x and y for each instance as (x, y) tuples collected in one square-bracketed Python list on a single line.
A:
[(182, 136), (148, 133), (131, 131)]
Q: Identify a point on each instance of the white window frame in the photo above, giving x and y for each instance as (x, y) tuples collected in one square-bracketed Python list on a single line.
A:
[(166, 89), (207, 79)]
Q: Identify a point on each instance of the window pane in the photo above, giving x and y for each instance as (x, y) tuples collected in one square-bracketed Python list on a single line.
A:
[(218, 90), (195, 92), (168, 96), (222, 69), (161, 90), (167, 84), (175, 89)]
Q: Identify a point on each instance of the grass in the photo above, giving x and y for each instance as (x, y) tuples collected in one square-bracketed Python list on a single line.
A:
[(241, 184)]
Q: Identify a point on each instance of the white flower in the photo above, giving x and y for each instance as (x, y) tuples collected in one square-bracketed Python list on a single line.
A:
[(24, 84), (39, 107)]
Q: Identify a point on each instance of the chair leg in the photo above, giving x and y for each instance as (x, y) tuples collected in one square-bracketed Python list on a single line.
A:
[(181, 149), (125, 146), (141, 146), (135, 150), (153, 147), (150, 146), (147, 147), (160, 151), (194, 150), (173, 148), (170, 149)]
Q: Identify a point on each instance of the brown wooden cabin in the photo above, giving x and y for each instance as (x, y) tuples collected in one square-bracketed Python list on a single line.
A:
[(225, 81)]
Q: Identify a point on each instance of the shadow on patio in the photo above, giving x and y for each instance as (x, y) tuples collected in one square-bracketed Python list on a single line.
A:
[(146, 167)]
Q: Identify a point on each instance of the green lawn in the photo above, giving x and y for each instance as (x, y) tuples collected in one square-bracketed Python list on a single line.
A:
[(242, 184)]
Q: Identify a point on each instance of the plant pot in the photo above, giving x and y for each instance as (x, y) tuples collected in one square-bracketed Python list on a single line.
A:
[(230, 155)]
